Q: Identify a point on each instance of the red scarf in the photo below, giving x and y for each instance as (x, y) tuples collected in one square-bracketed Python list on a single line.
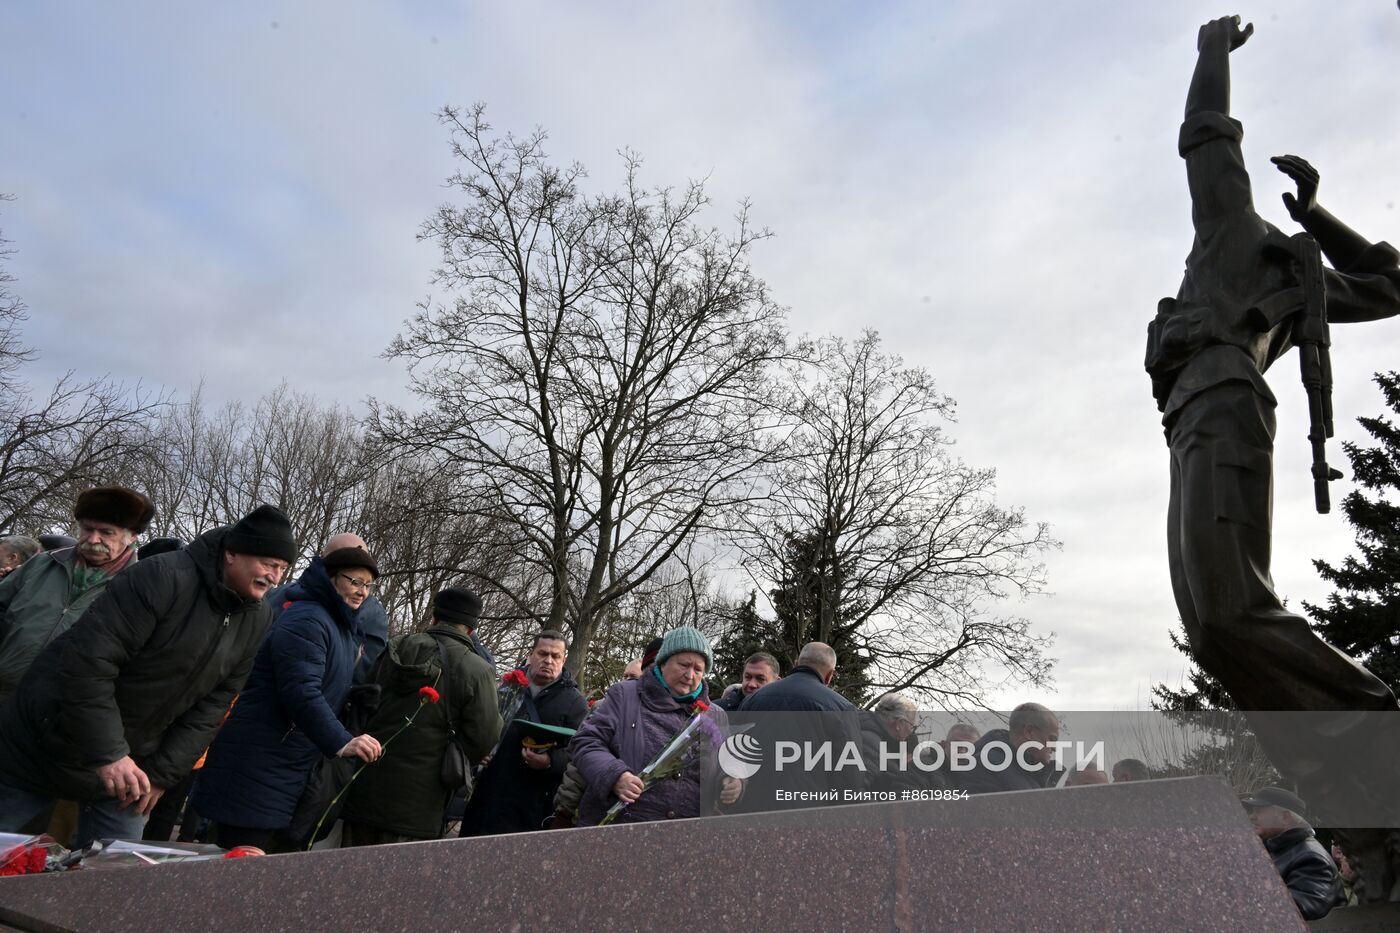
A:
[(111, 567)]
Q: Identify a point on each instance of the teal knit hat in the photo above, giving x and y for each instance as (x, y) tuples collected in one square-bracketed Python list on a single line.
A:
[(685, 638)]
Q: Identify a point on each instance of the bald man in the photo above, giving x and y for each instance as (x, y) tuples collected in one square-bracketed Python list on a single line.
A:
[(803, 710)]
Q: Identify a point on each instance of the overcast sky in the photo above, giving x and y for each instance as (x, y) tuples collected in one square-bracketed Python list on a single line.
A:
[(230, 192)]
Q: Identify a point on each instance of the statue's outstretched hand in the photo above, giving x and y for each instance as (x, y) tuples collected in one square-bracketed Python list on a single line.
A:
[(1306, 177), (1225, 29)]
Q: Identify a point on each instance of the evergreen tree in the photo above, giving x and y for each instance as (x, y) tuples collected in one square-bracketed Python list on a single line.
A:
[(1223, 743), (796, 604), (1201, 693), (747, 633), (1362, 617)]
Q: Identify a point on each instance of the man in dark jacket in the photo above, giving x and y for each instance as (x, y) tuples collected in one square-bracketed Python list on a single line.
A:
[(1304, 865), (806, 689), (828, 721), (401, 797), (289, 715), (1019, 757), (516, 790), (888, 739), (760, 670), (117, 709)]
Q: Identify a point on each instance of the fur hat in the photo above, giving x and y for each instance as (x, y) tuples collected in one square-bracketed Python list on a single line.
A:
[(115, 505), (344, 558)]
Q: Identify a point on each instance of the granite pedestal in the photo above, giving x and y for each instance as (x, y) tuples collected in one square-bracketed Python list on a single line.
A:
[(1161, 855)]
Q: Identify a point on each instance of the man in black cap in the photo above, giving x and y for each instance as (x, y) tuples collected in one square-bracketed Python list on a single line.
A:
[(158, 546), (401, 798), (117, 708), (1304, 865), (40, 600)]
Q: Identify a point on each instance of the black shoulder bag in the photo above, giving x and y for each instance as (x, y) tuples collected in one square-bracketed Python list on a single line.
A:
[(455, 771)]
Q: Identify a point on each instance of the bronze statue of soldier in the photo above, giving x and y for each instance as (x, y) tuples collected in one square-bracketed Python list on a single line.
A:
[(1250, 293)]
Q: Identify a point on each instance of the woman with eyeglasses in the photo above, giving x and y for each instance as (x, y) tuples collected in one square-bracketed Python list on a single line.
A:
[(286, 718)]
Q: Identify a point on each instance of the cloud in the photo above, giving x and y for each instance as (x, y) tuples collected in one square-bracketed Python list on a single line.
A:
[(233, 193)]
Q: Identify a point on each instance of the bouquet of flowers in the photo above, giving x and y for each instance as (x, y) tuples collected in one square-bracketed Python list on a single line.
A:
[(26, 855), (509, 698), (512, 693), (692, 740)]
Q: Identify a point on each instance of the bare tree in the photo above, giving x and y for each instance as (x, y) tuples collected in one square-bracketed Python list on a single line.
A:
[(600, 370), (13, 351), (907, 545), (85, 431)]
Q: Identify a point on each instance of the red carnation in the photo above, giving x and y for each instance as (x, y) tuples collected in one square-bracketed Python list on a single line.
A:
[(428, 694), (516, 678), (701, 706), (592, 702), (243, 852)]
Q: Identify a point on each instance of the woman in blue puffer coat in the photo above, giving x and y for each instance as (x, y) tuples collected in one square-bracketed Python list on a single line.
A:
[(286, 719)]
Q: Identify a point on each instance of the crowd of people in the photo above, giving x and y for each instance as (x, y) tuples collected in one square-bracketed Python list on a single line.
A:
[(185, 686)]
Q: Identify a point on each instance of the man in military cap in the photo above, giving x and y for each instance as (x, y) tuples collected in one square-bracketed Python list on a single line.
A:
[(41, 599)]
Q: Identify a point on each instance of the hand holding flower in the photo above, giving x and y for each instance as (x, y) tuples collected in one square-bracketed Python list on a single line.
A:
[(365, 747), (628, 787)]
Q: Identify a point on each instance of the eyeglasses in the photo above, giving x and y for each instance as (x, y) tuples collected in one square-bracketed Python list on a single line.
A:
[(366, 585)]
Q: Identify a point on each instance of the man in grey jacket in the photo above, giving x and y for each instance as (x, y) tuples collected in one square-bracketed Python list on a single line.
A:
[(41, 599)]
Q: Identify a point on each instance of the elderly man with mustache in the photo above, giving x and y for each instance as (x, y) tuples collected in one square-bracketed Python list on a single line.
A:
[(45, 595)]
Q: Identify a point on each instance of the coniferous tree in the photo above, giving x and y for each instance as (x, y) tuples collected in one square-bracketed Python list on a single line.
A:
[(1362, 617)]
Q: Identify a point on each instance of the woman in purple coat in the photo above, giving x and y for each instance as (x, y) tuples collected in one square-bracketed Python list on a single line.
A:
[(635, 721)]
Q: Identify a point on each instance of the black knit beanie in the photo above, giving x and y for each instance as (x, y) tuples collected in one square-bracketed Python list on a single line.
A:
[(263, 532), (458, 606)]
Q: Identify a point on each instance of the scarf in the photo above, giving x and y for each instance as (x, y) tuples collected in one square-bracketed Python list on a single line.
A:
[(690, 697)]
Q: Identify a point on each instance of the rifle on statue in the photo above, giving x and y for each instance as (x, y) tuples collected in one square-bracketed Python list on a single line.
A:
[(1310, 334)]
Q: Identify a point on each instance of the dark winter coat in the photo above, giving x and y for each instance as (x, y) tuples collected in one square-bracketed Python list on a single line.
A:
[(510, 796), (287, 717), (800, 709), (374, 632), (983, 780), (887, 776), (800, 691), (626, 731), (148, 671), (1307, 870), (38, 604), (402, 792)]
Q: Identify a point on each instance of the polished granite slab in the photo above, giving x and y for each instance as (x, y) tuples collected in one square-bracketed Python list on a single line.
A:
[(1158, 855)]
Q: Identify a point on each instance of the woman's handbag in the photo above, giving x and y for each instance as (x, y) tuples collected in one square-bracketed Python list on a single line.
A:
[(329, 776), (455, 771)]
